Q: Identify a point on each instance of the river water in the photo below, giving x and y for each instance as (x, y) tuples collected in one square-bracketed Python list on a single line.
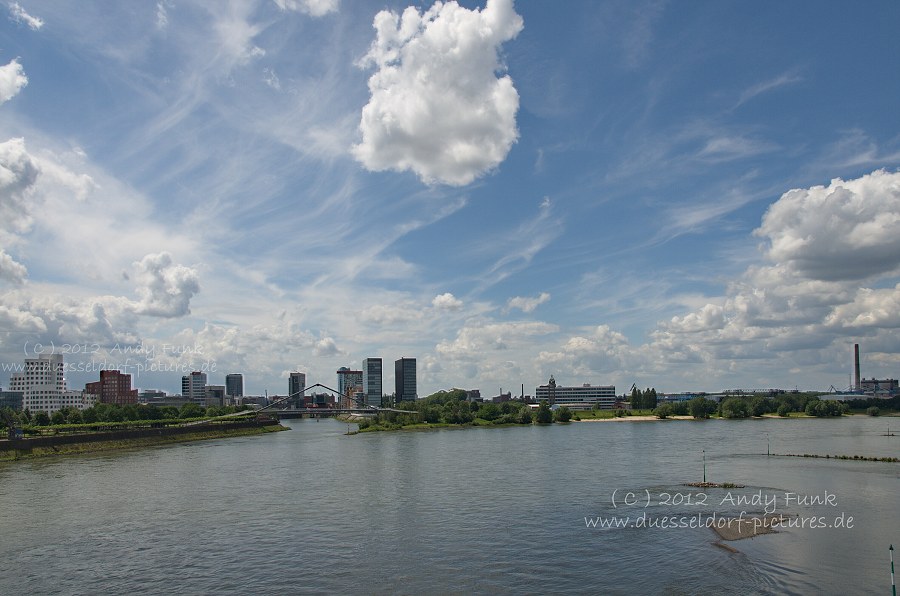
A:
[(504, 510)]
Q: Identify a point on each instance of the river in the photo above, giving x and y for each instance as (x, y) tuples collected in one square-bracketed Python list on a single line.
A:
[(505, 510)]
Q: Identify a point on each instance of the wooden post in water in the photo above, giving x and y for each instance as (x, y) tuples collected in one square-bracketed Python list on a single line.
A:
[(704, 466)]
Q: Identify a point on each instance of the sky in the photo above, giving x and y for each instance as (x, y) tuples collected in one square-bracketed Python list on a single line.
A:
[(691, 196)]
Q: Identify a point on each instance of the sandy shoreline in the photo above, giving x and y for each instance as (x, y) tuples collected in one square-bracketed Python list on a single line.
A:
[(636, 419)]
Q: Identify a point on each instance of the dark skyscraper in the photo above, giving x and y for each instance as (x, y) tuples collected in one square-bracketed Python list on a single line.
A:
[(296, 388), (234, 385), (372, 375), (405, 379)]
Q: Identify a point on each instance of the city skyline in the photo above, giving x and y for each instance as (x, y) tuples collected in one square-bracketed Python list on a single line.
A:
[(694, 197)]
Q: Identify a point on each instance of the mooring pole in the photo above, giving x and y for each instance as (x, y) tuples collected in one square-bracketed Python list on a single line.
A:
[(767, 444), (704, 472), (893, 585)]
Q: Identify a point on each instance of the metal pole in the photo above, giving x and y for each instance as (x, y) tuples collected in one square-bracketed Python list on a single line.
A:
[(767, 444), (704, 469), (893, 586)]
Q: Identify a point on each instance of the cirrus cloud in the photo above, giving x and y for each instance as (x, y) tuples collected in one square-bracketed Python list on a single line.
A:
[(314, 8), (17, 14)]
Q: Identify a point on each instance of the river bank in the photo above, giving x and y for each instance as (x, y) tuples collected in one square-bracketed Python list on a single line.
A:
[(95, 442)]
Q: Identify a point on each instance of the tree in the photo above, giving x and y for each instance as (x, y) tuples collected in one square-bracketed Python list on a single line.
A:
[(700, 407), (664, 411), (735, 407), (562, 414), (784, 410), (759, 406), (489, 412), (650, 401), (873, 411), (637, 402), (811, 407), (190, 410), (457, 412), (525, 416), (431, 413), (41, 418), (9, 413), (58, 417), (74, 416), (114, 414), (89, 416), (543, 415)]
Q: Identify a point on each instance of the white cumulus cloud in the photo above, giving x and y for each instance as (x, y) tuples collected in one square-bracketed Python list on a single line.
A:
[(10, 269), (527, 303), (475, 340), (166, 288), (12, 79), (18, 174), (326, 347), (447, 301), (438, 106), (844, 231)]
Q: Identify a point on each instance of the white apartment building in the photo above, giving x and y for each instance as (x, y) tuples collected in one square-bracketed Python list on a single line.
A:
[(43, 385), (583, 397)]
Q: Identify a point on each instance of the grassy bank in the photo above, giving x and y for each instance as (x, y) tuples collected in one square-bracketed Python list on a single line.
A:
[(88, 446)]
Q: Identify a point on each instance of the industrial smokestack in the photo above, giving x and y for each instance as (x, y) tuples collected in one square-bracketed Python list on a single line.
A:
[(857, 382)]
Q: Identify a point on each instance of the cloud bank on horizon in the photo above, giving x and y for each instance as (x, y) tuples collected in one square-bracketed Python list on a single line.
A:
[(603, 193)]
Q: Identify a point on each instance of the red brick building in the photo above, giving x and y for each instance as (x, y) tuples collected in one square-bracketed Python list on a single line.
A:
[(113, 387)]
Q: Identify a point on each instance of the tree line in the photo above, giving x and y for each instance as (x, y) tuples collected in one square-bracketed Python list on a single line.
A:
[(755, 405), (114, 413), (643, 400), (451, 407)]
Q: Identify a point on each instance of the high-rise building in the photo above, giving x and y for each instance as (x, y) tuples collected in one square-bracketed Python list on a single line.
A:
[(371, 369), (296, 388), (114, 387), (349, 382), (405, 379), (41, 382), (215, 395), (234, 385), (11, 399), (193, 387)]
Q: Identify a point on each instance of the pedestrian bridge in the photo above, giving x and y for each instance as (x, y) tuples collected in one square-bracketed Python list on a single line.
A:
[(273, 408)]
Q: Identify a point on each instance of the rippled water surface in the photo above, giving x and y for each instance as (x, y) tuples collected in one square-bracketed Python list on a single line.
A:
[(313, 510)]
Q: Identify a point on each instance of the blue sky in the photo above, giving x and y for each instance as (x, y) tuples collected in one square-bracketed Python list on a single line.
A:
[(684, 195)]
